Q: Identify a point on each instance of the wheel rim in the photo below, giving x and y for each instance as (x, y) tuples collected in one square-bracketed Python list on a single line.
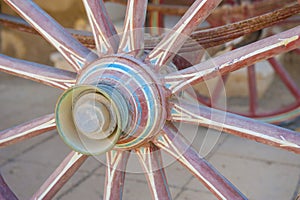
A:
[(161, 133)]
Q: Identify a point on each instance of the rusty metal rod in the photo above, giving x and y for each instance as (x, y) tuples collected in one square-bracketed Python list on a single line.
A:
[(207, 37)]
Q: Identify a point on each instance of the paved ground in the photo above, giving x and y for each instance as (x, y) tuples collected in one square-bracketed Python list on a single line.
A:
[(259, 171)]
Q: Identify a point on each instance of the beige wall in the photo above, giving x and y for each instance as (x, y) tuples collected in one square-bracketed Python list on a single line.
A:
[(69, 13)]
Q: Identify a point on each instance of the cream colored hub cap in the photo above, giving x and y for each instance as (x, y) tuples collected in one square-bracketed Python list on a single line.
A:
[(93, 117)]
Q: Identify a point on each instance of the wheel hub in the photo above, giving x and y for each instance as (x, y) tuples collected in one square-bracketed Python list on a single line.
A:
[(116, 103)]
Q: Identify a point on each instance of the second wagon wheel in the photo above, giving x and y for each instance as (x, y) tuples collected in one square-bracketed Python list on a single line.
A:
[(249, 92), (118, 101)]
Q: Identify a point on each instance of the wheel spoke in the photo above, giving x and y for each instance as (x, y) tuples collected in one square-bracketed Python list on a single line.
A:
[(151, 161), (74, 52), (37, 72), (105, 34), (133, 31), (285, 77), (173, 41), (173, 143), (115, 174), (234, 60), (237, 125), (60, 176), (27, 130), (5, 192), (155, 18), (252, 89), (220, 86)]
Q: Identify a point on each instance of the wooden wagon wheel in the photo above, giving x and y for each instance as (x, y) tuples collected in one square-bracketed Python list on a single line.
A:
[(119, 101)]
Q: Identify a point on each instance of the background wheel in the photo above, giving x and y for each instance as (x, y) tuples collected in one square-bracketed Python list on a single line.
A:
[(253, 97)]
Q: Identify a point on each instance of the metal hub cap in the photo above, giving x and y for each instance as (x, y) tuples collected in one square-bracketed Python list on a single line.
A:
[(116, 103), (93, 116)]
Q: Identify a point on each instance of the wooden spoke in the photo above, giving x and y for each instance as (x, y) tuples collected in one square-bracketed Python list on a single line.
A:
[(60, 176), (74, 52), (37, 72), (133, 31), (252, 89), (234, 60), (5, 192), (173, 143), (237, 125), (155, 19), (115, 174), (105, 34), (285, 77), (151, 161), (27, 130), (173, 41), (220, 87)]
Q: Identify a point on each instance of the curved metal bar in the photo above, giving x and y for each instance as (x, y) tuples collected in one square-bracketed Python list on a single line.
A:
[(206, 38), (253, 9)]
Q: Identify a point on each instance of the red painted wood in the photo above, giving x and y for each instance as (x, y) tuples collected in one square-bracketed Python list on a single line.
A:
[(155, 19), (285, 77), (133, 31), (169, 139), (116, 162), (73, 51), (173, 41), (151, 161), (207, 38), (27, 130), (47, 75), (220, 87), (234, 60), (105, 34), (60, 176), (237, 125), (252, 90), (177, 146)]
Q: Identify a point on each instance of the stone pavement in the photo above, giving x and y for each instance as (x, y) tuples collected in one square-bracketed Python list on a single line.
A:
[(259, 171)]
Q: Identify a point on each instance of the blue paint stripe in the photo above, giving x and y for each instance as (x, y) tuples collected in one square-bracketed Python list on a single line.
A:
[(148, 92)]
